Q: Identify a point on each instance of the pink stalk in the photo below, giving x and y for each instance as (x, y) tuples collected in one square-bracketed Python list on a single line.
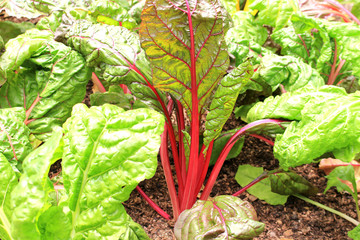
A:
[(181, 127), (98, 83), (340, 6), (205, 167), (125, 89), (219, 163), (268, 141), (165, 162), (28, 112), (153, 204), (302, 40), (332, 76), (191, 179)]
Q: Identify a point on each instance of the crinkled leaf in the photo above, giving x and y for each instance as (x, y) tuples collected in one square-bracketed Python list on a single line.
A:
[(326, 121), (14, 135), (303, 24), (289, 71), (30, 197), (54, 224), (342, 173), (117, 53), (31, 9), (276, 13), (246, 28), (8, 181), (347, 37), (262, 190), (306, 46), (355, 233), (9, 30), (107, 153), (231, 5), (134, 231), (49, 79), (290, 183), (223, 217), (224, 100), (243, 49), (184, 42), (115, 96)]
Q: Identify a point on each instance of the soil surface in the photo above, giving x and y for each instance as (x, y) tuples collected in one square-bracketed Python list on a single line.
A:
[(295, 220)]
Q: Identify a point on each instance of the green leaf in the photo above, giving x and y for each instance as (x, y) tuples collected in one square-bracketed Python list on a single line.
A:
[(326, 121), (262, 190), (276, 13), (344, 173), (347, 37), (2, 44), (115, 96), (30, 198), (303, 24), (49, 79), (290, 183), (220, 143), (117, 53), (8, 181), (9, 30), (355, 233), (107, 153), (246, 28), (184, 43), (54, 224), (134, 231), (14, 135), (223, 217), (224, 100), (289, 71)]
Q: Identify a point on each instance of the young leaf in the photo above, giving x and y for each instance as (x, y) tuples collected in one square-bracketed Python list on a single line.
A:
[(8, 181), (54, 224), (30, 198), (355, 233), (117, 53), (107, 153), (343, 173), (9, 30), (224, 100), (220, 143), (14, 134), (184, 43), (327, 121), (276, 13), (223, 217), (290, 183), (262, 190)]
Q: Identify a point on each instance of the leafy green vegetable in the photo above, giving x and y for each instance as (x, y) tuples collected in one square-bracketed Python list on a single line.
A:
[(289, 71), (262, 190), (30, 197), (43, 76), (355, 233), (223, 217), (14, 135), (8, 181), (117, 54), (276, 13), (107, 153), (343, 173), (326, 120), (224, 100), (9, 30)]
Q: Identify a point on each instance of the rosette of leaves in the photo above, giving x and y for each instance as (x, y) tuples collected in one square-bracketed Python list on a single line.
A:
[(44, 77), (223, 217)]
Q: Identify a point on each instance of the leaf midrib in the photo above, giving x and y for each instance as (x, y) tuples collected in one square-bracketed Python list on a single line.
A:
[(84, 180)]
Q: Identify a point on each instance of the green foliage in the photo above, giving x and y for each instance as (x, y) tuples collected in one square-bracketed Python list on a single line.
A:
[(9, 30)]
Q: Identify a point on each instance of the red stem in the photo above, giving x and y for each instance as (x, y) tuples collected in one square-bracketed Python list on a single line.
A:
[(125, 89), (98, 83), (153, 204), (302, 40), (28, 112), (181, 127), (219, 163), (206, 166), (191, 179), (332, 76), (263, 138), (165, 162), (255, 181), (352, 16)]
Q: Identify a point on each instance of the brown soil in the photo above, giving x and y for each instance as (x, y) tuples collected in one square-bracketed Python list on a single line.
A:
[(295, 220)]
